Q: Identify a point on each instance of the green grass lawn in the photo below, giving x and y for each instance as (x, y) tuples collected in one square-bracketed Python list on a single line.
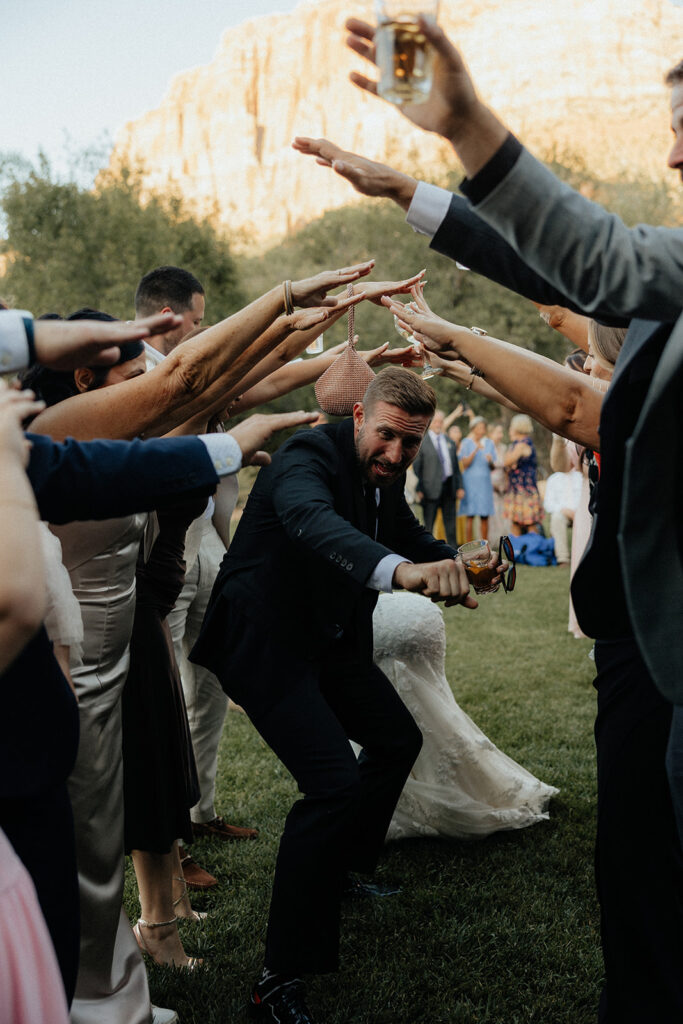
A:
[(499, 931)]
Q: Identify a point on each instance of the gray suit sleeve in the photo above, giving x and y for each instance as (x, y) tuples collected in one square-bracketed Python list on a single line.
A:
[(584, 251)]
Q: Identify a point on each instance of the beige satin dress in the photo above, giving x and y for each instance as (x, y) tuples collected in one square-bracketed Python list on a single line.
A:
[(101, 558)]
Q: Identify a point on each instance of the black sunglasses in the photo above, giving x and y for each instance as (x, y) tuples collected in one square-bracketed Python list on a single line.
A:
[(506, 552)]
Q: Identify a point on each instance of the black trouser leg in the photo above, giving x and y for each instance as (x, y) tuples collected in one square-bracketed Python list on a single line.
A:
[(429, 507), (674, 766), (639, 869), (448, 513), (343, 802), (373, 715), (41, 831)]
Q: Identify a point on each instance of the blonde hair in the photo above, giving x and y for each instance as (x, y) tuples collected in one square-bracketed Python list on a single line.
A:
[(521, 424)]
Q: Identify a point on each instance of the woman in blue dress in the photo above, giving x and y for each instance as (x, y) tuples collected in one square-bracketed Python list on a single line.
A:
[(477, 458)]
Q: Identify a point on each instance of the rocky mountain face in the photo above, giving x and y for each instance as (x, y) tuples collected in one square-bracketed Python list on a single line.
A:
[(580, 77)]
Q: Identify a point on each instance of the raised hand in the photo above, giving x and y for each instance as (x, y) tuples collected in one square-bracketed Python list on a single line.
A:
[(303, 319), (366, 176), (452, 98), (452, 108), (68, 344), (385, 356), (376, 290), (15, 407), (257, 429), (312, 291), (436, 334)]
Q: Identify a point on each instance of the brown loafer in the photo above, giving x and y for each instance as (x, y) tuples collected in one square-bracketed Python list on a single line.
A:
[(195, 876), (219, 829)]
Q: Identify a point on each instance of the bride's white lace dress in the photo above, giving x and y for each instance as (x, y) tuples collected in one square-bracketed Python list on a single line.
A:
[(461, 786)]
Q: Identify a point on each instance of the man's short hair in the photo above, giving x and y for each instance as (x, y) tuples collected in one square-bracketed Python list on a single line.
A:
[(674, 76), (166, 286), (403, 389)]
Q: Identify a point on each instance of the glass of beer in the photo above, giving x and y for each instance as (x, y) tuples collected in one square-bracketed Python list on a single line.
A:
[(476, 557), (427, 369), (316, 347), (404, 57)]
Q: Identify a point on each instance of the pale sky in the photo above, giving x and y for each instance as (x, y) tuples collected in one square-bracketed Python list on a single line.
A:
[(82, 68), (85, 67)]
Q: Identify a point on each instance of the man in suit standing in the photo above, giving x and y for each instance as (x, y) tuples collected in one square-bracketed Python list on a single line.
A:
[(177, 290), (288, 632), (439, 481), (545, 237)]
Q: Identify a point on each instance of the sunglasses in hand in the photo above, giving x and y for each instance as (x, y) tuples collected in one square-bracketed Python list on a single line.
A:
[(506, 553)]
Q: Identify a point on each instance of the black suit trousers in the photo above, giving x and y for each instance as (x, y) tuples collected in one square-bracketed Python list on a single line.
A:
[(639, 867), (40, 828), (341, 822)]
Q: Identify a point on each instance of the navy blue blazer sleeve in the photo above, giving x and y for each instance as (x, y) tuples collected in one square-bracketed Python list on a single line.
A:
[(80, 480), (412, 540), (303, 492), (465, 237)]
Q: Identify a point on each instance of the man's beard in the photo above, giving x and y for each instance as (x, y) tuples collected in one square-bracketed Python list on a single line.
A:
[(366, 464)]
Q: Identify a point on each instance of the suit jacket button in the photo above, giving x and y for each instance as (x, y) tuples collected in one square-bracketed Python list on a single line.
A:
[(349, 566), (333, 555)]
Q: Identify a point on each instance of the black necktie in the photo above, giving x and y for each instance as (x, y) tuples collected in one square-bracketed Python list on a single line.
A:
[(371, 510)]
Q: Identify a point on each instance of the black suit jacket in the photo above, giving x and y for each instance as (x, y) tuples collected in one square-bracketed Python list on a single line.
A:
[(429, 472), (651, 526), (300, 558), (80, 481), (465, 237)]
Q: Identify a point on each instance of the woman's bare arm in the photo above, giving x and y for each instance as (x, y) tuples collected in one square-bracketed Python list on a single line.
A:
[(22, 572), (558, 398), (198, 375)]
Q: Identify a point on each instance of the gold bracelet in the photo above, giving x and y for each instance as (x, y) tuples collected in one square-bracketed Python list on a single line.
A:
[(287, 292)]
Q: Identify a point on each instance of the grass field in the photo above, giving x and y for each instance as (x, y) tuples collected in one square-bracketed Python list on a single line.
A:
[(502, 931)]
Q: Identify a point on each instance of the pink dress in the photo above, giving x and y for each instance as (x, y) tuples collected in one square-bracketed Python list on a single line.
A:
[(31, 990)]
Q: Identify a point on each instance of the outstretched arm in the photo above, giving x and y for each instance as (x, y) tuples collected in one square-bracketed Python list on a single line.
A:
[(602, 266), (560, 399), (458, 232), (66, 344), (198, 375), (22, 576)]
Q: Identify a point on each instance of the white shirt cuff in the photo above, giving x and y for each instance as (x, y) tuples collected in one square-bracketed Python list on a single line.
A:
[(224, 452), (14, 350), (428, 208), (382, 576)]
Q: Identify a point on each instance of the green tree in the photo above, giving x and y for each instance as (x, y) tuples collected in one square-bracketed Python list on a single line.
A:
[(68, 246)]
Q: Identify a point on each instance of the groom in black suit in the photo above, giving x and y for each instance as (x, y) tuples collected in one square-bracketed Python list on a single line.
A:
[(288, 632)]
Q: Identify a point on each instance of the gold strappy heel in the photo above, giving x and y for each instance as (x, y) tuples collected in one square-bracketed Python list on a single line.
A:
[(197, 915), (192, 961)]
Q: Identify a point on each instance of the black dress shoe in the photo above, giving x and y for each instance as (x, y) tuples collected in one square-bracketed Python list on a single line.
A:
[(354, 889), (283, 1006)]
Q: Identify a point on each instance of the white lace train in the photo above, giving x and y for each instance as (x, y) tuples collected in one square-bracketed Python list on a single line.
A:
[(461, 786)]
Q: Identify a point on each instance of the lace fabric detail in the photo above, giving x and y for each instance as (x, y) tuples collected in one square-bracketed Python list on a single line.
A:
[(461, 786), (406, 625)]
